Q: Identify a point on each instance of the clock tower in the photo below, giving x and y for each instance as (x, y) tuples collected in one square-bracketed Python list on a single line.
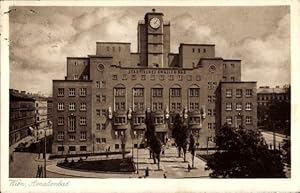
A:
[(154, 40)]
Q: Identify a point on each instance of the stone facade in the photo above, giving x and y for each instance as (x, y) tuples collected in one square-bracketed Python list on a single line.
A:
[(21, 116), (121, 86)]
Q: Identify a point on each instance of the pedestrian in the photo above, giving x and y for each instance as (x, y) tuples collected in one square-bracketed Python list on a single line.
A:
[(165, 176), (189, 167), (147, 172), (11, 157)]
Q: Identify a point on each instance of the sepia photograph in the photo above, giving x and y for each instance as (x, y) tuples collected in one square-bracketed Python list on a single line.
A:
[(148, 92)]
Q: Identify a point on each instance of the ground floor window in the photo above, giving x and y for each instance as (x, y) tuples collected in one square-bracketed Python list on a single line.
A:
[(82, 148), (72, 148), (60, 148), (117, 146)]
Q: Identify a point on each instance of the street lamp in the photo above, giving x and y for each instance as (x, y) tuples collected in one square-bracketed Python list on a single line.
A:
[(137, 151)]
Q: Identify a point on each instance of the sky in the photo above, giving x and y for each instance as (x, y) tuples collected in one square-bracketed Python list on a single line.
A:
[(41, 38)]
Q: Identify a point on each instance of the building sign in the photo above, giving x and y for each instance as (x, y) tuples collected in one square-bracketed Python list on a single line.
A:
[(155, 71)]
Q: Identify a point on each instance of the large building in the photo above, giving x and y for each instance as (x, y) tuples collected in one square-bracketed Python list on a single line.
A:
[(103, 99), (21, 116)]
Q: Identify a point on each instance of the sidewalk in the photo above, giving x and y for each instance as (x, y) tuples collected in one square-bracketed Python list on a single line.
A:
[(170, 165)]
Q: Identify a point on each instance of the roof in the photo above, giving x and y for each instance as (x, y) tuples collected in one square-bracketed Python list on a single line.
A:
[(266, 90), (186, 44), (17, 95)]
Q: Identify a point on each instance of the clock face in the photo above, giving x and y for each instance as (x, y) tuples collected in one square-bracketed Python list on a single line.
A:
[(100, 67), (212, 68), (155, 23)]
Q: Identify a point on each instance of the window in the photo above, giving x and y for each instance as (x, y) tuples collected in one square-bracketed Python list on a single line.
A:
[(210, 125), (178, 106), (60, 136), (72, 107), (133, 77), (61, 121), (209, 99), (138, 120), (194, 92), (103, 140), (214, 112), (194, 120), (120, 120), (214, 85), (224, 66), (228, 93), (97, 84), (98, 140), (193, 49), (76, 77), (239, 93), (120, 92), (160, 106), (75, 63), (72, 124), (138, 92), (248, 92), (232, 65), (103, 126), (61, 92), (179, 77), (98, 112), (154, 106), (229, 120), (82, 121), (60, 106), (98, 98), (117, 146), (224, 78), (115, 77), (175, 92), (189, 77), (82, 135), (103, 112), (124, 77), (143, 77), (98, 127), (209, 112), (171, 77), (239, 106), (248, 106), (60, 148), (204, 50), (152, 77), (173, 106), (82, 106), (157, 92), (103, 98), (213, 98), (161, 77), (228, 106), (248, 120), (232, 78), (71, 91), (198, 50), (158, 120), (82, 92), (72, 137), (82, 148), (102, 84), (72, 148), (85, 77), (198, 77)]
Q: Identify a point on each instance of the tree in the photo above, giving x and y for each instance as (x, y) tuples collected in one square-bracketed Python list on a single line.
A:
[(244, 153), (179, 133), (192, 148), (153, 142), (286, 151)]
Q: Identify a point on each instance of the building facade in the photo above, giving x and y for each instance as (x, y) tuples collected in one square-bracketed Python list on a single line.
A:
[(266, 96), (41, 117), (103, 99), (21, 116)]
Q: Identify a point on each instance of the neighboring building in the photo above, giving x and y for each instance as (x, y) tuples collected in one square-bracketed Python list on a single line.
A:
[(266, 96), (21, 116), (50, 114), (104, 97), (41, 124)]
